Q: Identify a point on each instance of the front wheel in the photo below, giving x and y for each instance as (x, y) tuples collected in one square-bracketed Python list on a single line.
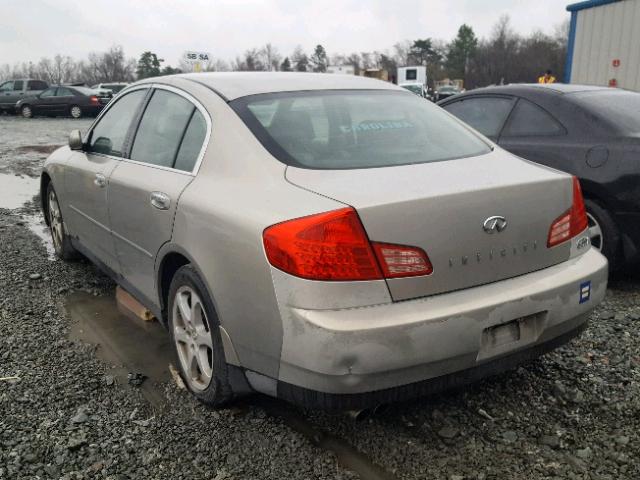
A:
[(195, 334), (26, 111), (603, 232), (75, 111), (61, 241)]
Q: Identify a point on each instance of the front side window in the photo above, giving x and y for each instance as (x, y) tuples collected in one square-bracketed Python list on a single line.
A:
[(6, 87), (161, 129), (48, 93), (109, 134), (355, 129), (528, 119), (64, 92), (485, 114)]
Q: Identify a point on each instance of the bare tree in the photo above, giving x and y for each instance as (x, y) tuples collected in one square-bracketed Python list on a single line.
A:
[(270, 57)]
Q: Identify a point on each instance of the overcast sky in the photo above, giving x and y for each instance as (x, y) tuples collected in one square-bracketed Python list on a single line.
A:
[(31, 29)]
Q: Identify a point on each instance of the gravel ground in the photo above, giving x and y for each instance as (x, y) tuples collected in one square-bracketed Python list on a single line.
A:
[(574, 413)]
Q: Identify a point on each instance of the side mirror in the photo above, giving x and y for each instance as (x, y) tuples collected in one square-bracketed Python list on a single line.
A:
[(75, 140)]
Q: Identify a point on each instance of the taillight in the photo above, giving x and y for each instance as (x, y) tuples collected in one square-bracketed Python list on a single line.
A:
[(570, 223), (402, 261), (93, 99), (335, 246)]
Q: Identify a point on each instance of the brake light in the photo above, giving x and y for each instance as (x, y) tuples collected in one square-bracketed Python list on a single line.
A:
[(334, 246), (570, 223), (402, 261), (93, 99)]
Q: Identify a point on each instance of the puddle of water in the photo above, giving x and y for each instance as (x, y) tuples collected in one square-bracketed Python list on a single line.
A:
[(127, 345), (16, 191), (36, 225)]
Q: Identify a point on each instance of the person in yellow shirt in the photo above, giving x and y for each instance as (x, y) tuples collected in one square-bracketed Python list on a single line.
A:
[(547, 78)]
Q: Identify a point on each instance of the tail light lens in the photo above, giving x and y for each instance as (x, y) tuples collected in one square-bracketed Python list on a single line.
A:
[(401, 261), (93, 99), (570, 223), (334, 246)]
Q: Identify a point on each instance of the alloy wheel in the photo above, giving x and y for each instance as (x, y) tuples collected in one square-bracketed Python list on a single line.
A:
[(76, 112), (595, 233), (192, 335), (55, 222), (27, 112)]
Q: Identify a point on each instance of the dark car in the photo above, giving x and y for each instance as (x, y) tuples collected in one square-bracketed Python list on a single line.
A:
[(591, 132), (446, 92), (63, 100)]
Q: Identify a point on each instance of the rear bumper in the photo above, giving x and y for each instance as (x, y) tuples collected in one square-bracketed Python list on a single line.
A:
[(361, 353)]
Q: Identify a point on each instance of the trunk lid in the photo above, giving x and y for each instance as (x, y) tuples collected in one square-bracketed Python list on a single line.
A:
[(442, 207)]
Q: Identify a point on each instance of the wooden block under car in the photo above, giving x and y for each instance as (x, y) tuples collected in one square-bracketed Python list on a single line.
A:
[(132, 308)]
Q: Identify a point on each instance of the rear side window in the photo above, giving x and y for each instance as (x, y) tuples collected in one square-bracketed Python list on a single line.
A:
[(162, 128), (109, 134), (485, 114), (17, 85), (192, 143), (528, 119), (36, 85), (336, 129)]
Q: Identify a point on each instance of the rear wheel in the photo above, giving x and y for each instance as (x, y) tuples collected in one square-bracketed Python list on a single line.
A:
[(75, 111), (603, 232), (194, 329), (61, 241), (26, 111)]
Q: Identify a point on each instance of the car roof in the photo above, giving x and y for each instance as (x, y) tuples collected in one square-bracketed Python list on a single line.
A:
[(557, 88), (232, 85)]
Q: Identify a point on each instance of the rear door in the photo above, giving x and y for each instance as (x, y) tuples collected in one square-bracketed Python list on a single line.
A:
[(87, 178), (62, 101), (487, 114), (144, 189)]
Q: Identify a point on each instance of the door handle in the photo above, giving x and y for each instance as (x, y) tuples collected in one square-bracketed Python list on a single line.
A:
[(160, 200), (100, 180)]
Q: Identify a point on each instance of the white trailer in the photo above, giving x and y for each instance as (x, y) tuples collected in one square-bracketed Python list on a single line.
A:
[(416, 74)]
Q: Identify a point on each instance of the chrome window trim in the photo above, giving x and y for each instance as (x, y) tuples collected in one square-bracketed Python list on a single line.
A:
[(207, 118)]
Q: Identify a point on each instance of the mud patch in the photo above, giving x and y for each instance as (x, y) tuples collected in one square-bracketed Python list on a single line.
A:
[(126, 345), (15, 190), (47, 149)]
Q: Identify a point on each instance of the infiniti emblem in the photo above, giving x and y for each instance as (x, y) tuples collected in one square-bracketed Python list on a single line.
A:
[(494, 224)]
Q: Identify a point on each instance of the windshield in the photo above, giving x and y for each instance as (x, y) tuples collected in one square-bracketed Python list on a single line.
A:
[(448, 89), (355, 129), (618, 107)]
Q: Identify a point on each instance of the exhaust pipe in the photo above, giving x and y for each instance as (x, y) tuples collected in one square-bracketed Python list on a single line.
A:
[(359, 415)]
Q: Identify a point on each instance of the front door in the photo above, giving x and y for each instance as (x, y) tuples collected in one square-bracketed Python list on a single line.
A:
[(45, 103), (87, 179), (145, 189)]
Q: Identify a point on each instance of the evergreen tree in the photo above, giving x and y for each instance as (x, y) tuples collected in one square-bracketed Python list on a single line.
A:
[(148, 66), (460, 50)]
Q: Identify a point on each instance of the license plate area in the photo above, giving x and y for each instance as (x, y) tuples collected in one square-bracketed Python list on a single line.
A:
[(512, 335)]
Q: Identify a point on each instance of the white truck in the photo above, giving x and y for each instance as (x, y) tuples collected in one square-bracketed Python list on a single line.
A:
[(413, 79)]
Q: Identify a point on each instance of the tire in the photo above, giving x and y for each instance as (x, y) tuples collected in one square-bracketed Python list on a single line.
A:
[(196, 339), (26, 111), (603, 232), (61, 241), (75, 111)]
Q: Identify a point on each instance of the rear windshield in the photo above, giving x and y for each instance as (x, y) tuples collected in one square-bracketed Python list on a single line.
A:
[(355, 129), (617, 107)]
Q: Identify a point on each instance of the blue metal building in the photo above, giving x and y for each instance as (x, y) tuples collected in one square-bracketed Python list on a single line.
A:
[(604, 43)]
